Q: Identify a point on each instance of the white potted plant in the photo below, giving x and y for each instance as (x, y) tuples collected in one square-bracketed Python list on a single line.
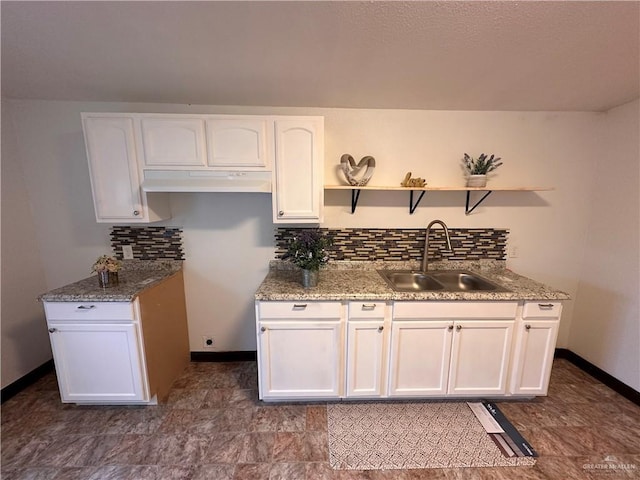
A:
[(476, 169)]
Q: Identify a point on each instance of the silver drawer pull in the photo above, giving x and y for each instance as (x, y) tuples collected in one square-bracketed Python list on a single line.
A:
[(458, 327), (53, 330), (380, 328), (299, 306), (545, 306), (86, 307), (450, 327), (368, 306), (527, 327), (263, 329)]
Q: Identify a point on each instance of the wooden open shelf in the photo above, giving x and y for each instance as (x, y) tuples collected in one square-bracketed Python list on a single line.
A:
[(355, 193)]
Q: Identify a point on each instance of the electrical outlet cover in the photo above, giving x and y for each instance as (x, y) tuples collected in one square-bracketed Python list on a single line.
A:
[(127, 252)]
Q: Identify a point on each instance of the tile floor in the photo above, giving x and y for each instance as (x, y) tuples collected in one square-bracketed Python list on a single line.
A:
[(213, 427)]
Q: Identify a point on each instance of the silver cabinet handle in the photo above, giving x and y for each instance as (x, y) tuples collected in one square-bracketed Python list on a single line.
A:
[(380, 328), (86, 307), (527, 327), (263, 329), (299, 306), (136, 213), (545, 306), (280, 213), (458, 327), (368, 306), (450, 327), (53, 330)]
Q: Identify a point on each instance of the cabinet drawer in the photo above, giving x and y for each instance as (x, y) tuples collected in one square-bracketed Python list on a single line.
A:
[(455, 310), (89, 310), (365, 309), (301, 309), (542, 309)]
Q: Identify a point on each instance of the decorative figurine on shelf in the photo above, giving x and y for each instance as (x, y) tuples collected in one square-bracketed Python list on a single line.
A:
[(350, 169), (413, 182), (107, 269)]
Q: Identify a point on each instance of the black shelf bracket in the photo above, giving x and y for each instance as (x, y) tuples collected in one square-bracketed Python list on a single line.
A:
[(468, 210), (413, 206), (355, 195)]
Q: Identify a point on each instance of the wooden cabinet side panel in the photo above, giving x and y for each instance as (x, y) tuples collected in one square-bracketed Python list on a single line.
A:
[(165, 333)]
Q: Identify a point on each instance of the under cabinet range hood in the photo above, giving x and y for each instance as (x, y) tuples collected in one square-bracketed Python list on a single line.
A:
[(206, 181)]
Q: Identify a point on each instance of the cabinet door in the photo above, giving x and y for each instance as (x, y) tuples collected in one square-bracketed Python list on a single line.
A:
[(173, 142), (98, 362), (239, 143), (298, 188), (419, 357), (480, 357), (300, 359), (534, 356), (112, 164), (365, 357)]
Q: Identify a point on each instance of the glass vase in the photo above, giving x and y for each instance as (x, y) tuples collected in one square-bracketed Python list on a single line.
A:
[(107, 279)]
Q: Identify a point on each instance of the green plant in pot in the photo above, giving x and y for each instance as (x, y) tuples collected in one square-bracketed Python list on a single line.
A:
[(476, 169), (308, 250)]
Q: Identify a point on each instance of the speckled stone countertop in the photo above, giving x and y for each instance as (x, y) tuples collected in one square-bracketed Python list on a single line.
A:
[(134, 277), (344, 280)]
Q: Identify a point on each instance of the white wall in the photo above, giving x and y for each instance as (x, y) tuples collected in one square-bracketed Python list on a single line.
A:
[(25, 342), (229, 237), (606, 324)]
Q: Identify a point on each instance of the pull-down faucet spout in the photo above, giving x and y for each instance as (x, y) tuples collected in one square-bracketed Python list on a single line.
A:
[(425, 261)]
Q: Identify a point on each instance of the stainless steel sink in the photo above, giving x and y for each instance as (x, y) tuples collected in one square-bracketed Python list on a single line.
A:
[(439, 280), (410, 281), (457, 280)]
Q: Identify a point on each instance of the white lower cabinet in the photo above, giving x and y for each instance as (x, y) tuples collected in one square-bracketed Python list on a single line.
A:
[(99, 361), (404, 349), (450, 348), (300, 350), (536, 337), (419, 358), (120, 352), (480, 355), (367, 339)]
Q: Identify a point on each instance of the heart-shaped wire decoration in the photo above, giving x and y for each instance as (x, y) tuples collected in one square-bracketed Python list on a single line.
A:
[(350, 169)]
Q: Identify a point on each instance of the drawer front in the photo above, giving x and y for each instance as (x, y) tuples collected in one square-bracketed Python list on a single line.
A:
[(365, 309), (301, 309), (89, 310), (421, 310), (542, 309)]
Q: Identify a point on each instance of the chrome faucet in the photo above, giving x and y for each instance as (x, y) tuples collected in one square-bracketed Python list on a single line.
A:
[(425, 262)]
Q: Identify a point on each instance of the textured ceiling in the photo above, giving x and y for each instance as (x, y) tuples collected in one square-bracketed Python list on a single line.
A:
[(569, 56)]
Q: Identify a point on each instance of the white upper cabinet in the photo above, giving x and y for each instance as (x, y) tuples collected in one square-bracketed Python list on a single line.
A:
[(115, 181), (173, 141), (298, 186), (239, 143)]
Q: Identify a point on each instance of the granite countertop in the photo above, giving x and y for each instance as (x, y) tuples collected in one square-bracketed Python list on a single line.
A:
[(134, 277), (344, 280)]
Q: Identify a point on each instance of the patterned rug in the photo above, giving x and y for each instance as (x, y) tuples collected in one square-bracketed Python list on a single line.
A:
[(394, 435)]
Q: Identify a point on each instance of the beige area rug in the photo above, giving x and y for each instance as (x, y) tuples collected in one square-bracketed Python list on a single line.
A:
[(372, 436)]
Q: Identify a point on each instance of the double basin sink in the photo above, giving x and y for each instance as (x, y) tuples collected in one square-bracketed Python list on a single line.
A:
[(438, 280)]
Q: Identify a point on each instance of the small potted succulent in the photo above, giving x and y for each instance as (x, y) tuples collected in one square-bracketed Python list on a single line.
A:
[(308, 250), (476, 169), (107, 269)]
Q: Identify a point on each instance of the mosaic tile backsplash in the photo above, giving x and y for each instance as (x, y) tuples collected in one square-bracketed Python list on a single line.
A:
[(148, 243), (368, 244)]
